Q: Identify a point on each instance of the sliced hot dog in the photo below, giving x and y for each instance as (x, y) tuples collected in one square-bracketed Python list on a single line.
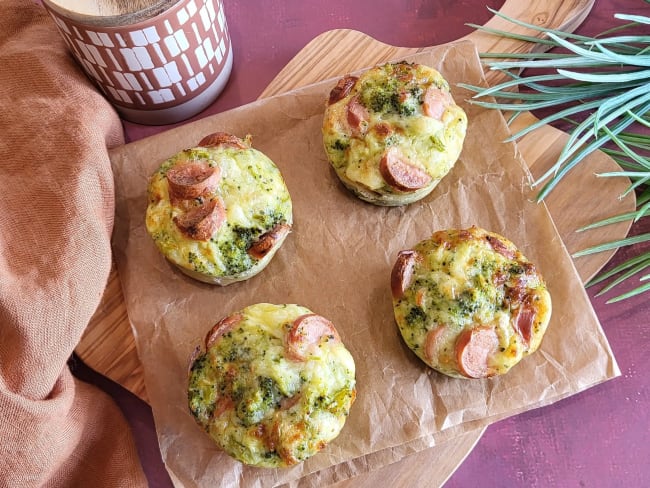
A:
[(200, 223), (223, 404), (224, 139), (382, 129), (432, 341), (402, 273), (306, 333), (473, 349), (357, 116), (222, 327), (516, 289), (524, 322), (401, 174), (342, 88), (435, 102), (267, 241), (288, 402), (500, 247), (499, 278), (191, 180)]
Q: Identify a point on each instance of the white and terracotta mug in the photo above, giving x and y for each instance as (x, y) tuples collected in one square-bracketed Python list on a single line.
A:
[(161, 63)]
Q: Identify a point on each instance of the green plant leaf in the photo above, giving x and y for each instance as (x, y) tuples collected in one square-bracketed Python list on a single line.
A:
[(608, 246), (633, 18), (625, 276), (630, 294), (633, 262), (606, 77), (600, 87)]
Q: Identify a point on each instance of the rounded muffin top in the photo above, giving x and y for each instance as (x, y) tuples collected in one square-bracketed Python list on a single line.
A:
[(274, 385), (392, 133), (218, 210), (469, 303)]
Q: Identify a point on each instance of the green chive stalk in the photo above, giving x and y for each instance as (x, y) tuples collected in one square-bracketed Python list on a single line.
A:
[(598, 87)]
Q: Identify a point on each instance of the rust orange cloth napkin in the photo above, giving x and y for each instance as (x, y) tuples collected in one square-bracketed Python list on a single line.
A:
[(56, 218)]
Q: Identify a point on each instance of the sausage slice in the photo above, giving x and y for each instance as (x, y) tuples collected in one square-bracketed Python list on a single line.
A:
[(473, 348), (222, 405), (200, 223), (222, 327), (306, 332), (402, 273), (499, 247), (357, 117), (342, 88), (524, 322), (432, 342), (223, 139), (191, 180), (401, 174), (435, 102), (266, 241)]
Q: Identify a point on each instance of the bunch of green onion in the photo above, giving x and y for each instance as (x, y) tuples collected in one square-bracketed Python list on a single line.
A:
[(600, 88)]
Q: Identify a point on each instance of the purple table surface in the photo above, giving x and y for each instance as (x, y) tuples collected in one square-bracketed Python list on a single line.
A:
[(596, 438)]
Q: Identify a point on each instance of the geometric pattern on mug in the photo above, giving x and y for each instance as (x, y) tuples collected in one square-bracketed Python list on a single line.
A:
[(164, 62)]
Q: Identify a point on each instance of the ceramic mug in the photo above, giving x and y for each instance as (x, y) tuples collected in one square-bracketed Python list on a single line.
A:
[(160, 64)]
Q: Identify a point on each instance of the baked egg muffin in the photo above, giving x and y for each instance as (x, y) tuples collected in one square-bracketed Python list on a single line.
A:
[(468, 303), (392, 133), (273, 386), (219, 211)]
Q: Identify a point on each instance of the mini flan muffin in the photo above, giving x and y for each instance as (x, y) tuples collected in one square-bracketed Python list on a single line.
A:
[(220, 210), (392, 133), (274, 384), (468, 303)]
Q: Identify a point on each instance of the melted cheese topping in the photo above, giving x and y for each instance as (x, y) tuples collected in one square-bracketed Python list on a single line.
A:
[(461, 281), (393, 95), (255, 198), (262, 407)]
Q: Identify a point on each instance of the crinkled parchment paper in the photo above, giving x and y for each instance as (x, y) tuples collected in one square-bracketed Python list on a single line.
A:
[(337, 262)]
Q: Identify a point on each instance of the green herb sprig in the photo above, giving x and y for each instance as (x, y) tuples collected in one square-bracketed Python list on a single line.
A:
[(599, 87)]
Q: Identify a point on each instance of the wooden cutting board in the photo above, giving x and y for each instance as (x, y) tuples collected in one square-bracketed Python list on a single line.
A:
[(108, 345)]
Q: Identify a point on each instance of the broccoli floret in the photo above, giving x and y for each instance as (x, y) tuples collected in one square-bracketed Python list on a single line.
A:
[(340, 145), (254, 406), (416, 316), (391, 97), (234, 252)]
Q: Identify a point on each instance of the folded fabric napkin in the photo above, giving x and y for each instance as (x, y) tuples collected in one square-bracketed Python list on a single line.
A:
[(56, 218)]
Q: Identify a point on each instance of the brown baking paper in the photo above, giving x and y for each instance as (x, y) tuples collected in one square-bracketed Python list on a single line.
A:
[(337, 262)]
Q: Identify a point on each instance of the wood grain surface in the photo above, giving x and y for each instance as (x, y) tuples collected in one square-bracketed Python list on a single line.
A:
[(108, 345)]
